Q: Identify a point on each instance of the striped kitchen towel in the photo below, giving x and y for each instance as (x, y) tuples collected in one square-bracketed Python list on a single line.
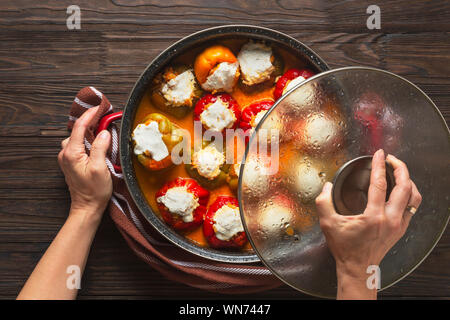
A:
[(171, 261)]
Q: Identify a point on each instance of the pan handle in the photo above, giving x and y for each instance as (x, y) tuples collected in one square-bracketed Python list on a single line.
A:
[(104, 124)]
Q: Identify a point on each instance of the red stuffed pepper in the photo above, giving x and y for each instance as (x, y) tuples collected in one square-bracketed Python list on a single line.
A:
[(369, 111), (253, 113), (377, 119), (182, 203), (287, 80), (222, 226), (217, 112)]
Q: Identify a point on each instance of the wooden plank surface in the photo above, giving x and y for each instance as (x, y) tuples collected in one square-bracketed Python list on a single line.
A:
[(43, 65)]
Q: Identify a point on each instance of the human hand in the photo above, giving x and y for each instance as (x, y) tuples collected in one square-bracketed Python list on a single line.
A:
[(87, 177), (359, 241), (90, 187)]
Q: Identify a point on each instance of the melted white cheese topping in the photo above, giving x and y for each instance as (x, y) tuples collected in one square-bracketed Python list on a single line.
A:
[(227, 223), (255, 176), (148, 140), (293, 83), (237, 168), (320, 130), (275, 218), (208, 161), (258, 118), (180, 201), (217, 116), (223, 78), (308, 181), (180, 90), (254, 60)]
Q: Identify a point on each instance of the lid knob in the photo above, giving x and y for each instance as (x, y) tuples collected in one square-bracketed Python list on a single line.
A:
[(351, 185)]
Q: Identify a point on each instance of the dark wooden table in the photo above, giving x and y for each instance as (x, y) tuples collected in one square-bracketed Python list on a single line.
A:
[(43, 65)]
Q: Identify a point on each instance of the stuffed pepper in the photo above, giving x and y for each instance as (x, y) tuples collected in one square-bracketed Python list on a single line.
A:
[(222, 226), (369, 111), (319, 133), (153, 140), (289, 80), (233, 176), (208, 166), (256, 175), (282, 217), (253, 113), (258, 63), (217, 69), (182, 203), (217, 112), (307, 177), (175, 91)]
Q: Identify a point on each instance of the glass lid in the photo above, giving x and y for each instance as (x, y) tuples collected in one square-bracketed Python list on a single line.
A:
[(307, 136)]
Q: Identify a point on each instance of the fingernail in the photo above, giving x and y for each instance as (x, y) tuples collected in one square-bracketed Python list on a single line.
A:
[(104, 134), (380, 153), (328, 185), (392, 156)]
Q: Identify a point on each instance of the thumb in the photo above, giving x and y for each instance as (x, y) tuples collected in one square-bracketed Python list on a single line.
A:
[(100, 147), (324, 202)]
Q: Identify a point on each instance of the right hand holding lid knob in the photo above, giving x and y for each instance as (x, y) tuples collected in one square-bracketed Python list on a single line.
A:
[(359, 241)]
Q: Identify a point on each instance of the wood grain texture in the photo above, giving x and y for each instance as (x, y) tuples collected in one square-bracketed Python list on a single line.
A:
[(43, 65)]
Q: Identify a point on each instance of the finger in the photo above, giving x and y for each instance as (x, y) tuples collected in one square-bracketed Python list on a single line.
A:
[(76, 141), (60, 159), (401, 193), (324, 205), (415, 201), (376, 197), (100, 147), (65, 142)]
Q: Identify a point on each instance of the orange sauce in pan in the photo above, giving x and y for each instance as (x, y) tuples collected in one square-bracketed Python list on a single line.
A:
[(151, 181)]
